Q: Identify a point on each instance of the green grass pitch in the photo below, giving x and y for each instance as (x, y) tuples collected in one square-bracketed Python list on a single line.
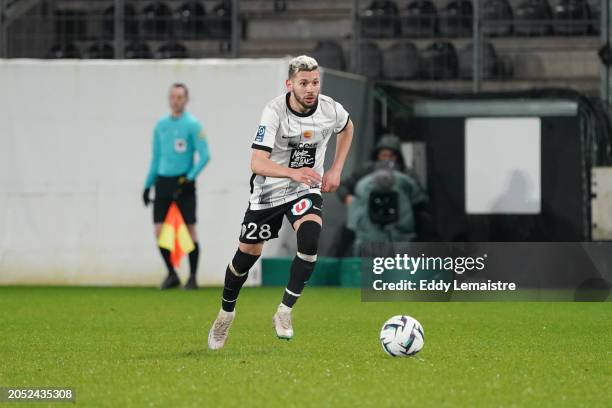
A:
[(121, 347)]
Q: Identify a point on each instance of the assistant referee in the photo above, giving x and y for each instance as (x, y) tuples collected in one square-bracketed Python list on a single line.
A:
[(174, 167)]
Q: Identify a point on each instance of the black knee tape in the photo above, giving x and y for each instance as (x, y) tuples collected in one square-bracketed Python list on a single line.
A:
[(308, 237), (242, 262)]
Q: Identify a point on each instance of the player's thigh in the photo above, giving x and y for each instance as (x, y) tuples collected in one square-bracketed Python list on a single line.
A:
[(306, 208), (307, 217)]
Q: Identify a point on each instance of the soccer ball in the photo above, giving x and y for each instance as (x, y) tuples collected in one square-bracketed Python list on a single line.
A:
[(402, 336)]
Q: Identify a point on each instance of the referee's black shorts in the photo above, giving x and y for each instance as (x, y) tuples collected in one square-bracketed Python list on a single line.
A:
[(165, 188)]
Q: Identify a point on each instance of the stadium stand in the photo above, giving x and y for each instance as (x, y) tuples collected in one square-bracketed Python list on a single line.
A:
[(172, 50), (329, 54), (401, 61), (524, 33), (419, 19), (157, 20), (439, 61), (533, 18), (189, 19), (456, 19), (370, 60), (138, 50), (379, 20), (497, 16), (572, 17), (100, 50), (490, 65), (130, 22)]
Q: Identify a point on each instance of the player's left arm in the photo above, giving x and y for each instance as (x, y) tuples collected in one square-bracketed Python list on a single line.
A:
[(331, 178), (201, 146)]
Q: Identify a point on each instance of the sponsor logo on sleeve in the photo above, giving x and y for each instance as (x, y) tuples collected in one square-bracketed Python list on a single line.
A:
[(261, 131)]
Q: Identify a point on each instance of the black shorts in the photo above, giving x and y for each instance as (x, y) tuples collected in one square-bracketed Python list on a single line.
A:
[(262, 225), (165, 187)]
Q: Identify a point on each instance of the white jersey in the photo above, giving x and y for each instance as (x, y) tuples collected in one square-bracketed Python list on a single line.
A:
[(294, 140)]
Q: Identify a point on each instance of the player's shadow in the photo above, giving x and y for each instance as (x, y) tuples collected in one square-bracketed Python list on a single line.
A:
[(203, 353)]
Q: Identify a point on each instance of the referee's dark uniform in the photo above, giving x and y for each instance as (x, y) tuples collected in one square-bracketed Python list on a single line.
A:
[(173, 172)]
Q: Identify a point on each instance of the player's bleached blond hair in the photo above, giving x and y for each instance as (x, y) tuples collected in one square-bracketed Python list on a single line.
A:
[(302, 63)]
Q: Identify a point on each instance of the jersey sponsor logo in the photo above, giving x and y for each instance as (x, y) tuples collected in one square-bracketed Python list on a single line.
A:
[(289, 137), (304, 157), (301, 206), (180, 145), (302, 145), (261, 131), (308, 134)]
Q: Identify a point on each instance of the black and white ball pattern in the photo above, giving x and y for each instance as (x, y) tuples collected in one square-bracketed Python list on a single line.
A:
[(402, 336)]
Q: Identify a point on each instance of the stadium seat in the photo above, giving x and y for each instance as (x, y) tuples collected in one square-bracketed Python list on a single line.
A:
[(157, 20), (572, 17), (419, 19), (189, 18), (219, 23), (65, 50), (490, 65), (172, 50), (329, 54), (595, 6), (130, 26), (138, 50), (401, 61), (439, 61), (456, 19), (70, 25), (380, 20), (370, 64), (497, 18), (100, 50), (533, 18)]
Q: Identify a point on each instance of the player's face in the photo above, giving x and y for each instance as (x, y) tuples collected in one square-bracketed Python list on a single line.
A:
[(178, 100), (305, 86)]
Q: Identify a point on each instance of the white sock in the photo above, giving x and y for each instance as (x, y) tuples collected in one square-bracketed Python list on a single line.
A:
[(284, 308)]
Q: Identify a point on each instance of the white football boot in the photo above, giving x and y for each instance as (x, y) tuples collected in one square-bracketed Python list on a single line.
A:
[(282, 322), (217, 336)]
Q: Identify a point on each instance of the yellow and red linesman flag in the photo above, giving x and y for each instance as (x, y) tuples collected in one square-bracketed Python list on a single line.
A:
[(175, 236)]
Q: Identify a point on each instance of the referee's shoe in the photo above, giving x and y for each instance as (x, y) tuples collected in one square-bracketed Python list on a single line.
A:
[(171, 281)]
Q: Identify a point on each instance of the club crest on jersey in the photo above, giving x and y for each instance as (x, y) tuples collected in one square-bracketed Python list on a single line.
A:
[(261, 131), (325, 132), (180, 146), (308, 134), (301, 206)]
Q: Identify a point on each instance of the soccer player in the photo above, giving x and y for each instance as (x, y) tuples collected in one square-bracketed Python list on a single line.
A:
[(176, 139), (287, 164)]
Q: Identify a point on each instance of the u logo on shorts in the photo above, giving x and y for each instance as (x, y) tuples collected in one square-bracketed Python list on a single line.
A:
[(301, 206)]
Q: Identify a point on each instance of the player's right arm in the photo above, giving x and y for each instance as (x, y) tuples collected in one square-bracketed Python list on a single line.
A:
[(263, 166)]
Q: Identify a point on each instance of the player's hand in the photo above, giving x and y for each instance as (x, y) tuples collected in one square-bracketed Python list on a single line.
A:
[(348, 200), (306, 175), (331, 181), (145, 196)]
